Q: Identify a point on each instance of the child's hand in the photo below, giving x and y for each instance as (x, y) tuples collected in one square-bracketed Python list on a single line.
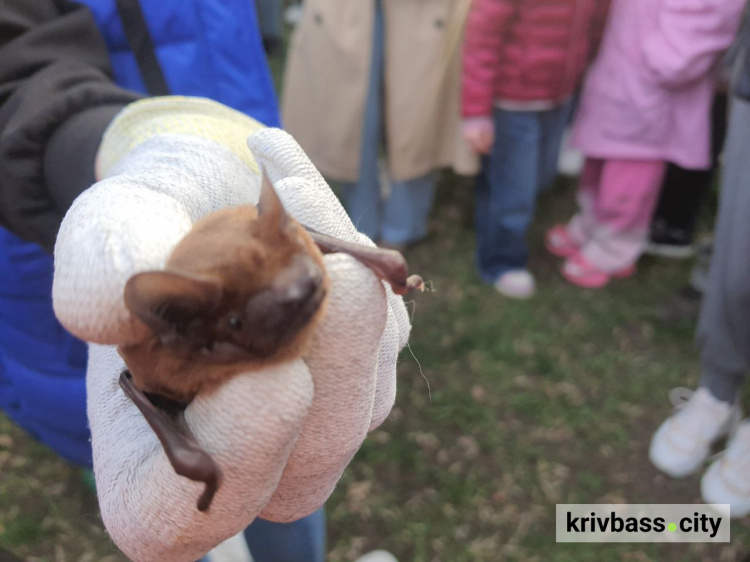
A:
[(479, 132)]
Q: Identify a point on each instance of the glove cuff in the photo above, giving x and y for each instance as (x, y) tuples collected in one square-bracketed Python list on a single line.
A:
[(147, 118)]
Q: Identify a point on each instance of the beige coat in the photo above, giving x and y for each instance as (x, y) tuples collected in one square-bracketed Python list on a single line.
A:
[(327, 76)]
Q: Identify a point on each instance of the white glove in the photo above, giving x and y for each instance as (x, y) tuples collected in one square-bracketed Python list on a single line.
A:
[(281, 436)]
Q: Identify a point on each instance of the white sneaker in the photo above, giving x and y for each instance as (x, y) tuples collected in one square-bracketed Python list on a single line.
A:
[(517, 284), (683, 442), (377, 556), (727, 480)]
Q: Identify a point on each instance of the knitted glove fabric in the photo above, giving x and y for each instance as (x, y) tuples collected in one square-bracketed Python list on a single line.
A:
[(281, 436)]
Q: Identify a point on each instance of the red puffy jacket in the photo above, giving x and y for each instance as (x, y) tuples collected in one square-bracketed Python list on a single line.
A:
[(527, 50)]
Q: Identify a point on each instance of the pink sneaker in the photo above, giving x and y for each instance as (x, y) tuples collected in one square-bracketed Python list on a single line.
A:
[(578, 271), (559, 242)]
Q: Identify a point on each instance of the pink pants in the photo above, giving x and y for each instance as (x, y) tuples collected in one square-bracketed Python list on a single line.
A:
[(616, 199)]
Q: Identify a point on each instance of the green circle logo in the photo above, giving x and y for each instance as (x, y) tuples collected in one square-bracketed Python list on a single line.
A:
[(672, 527)]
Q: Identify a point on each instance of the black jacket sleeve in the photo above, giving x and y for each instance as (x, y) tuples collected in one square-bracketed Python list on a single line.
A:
[(56, 98)]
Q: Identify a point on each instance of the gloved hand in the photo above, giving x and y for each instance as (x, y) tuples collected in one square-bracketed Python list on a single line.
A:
[(281, 436)]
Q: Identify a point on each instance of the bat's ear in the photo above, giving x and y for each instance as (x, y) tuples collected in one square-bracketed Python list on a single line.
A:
[(270, 208), (165, 299)]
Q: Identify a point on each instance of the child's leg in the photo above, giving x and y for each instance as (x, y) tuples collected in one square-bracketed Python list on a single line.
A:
[(581, 226), (553, 123), (724, 326), (407, 210), (623, 208), (684, 191), (506, 194), (683, 442)]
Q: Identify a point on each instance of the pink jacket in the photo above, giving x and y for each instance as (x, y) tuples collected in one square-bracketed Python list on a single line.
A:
[(527, 50), (648, 94)]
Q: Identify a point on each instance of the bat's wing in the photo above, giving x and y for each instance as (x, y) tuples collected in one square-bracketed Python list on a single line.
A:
[(167, 419), (388, 265)]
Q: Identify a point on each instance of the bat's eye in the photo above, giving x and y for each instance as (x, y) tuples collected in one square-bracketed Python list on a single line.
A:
[(234, 322)]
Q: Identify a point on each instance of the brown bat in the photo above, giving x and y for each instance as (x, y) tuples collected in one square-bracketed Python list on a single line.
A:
[(242, 290)]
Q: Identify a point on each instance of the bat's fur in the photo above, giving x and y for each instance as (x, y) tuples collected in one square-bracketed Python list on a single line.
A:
[(243, 289)]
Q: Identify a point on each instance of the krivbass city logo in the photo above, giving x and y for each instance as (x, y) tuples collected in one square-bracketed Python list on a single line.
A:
[(642, 523)]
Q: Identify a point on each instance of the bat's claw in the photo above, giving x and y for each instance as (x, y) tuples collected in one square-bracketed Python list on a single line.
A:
[(414, 282), (204, 502)]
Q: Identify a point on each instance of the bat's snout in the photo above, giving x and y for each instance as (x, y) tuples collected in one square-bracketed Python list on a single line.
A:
[(278, 313), (298, 290), (302, 290)]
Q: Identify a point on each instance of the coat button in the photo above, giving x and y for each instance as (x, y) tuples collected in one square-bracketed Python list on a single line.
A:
[(440, 24), (318, 19)]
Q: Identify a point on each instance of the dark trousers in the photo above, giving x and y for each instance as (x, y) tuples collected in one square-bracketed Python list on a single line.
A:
[(684, 191)]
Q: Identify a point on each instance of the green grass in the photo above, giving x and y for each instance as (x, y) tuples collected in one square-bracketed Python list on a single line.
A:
[(532, 403), (46, 512)]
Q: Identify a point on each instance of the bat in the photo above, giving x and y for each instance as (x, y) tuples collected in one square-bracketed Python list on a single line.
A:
[(242, 290)]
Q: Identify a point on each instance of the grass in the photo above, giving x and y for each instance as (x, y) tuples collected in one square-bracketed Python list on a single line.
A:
[(532, 403)]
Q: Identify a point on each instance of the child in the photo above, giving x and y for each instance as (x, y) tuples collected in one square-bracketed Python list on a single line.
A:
[(523, 61), (646, 101)]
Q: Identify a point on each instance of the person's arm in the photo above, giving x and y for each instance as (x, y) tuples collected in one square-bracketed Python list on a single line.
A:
[(688, 39), (486, 29), (56, 98)]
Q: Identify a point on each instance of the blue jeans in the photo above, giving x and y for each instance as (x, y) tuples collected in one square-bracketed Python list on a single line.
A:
[(300, 541), (523, 162), (402, 217)]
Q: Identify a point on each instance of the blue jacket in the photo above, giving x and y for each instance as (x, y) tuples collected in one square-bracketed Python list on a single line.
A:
[(209, 48)]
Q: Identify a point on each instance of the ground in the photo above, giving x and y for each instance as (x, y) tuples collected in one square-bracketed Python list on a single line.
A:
[(528, 404)]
